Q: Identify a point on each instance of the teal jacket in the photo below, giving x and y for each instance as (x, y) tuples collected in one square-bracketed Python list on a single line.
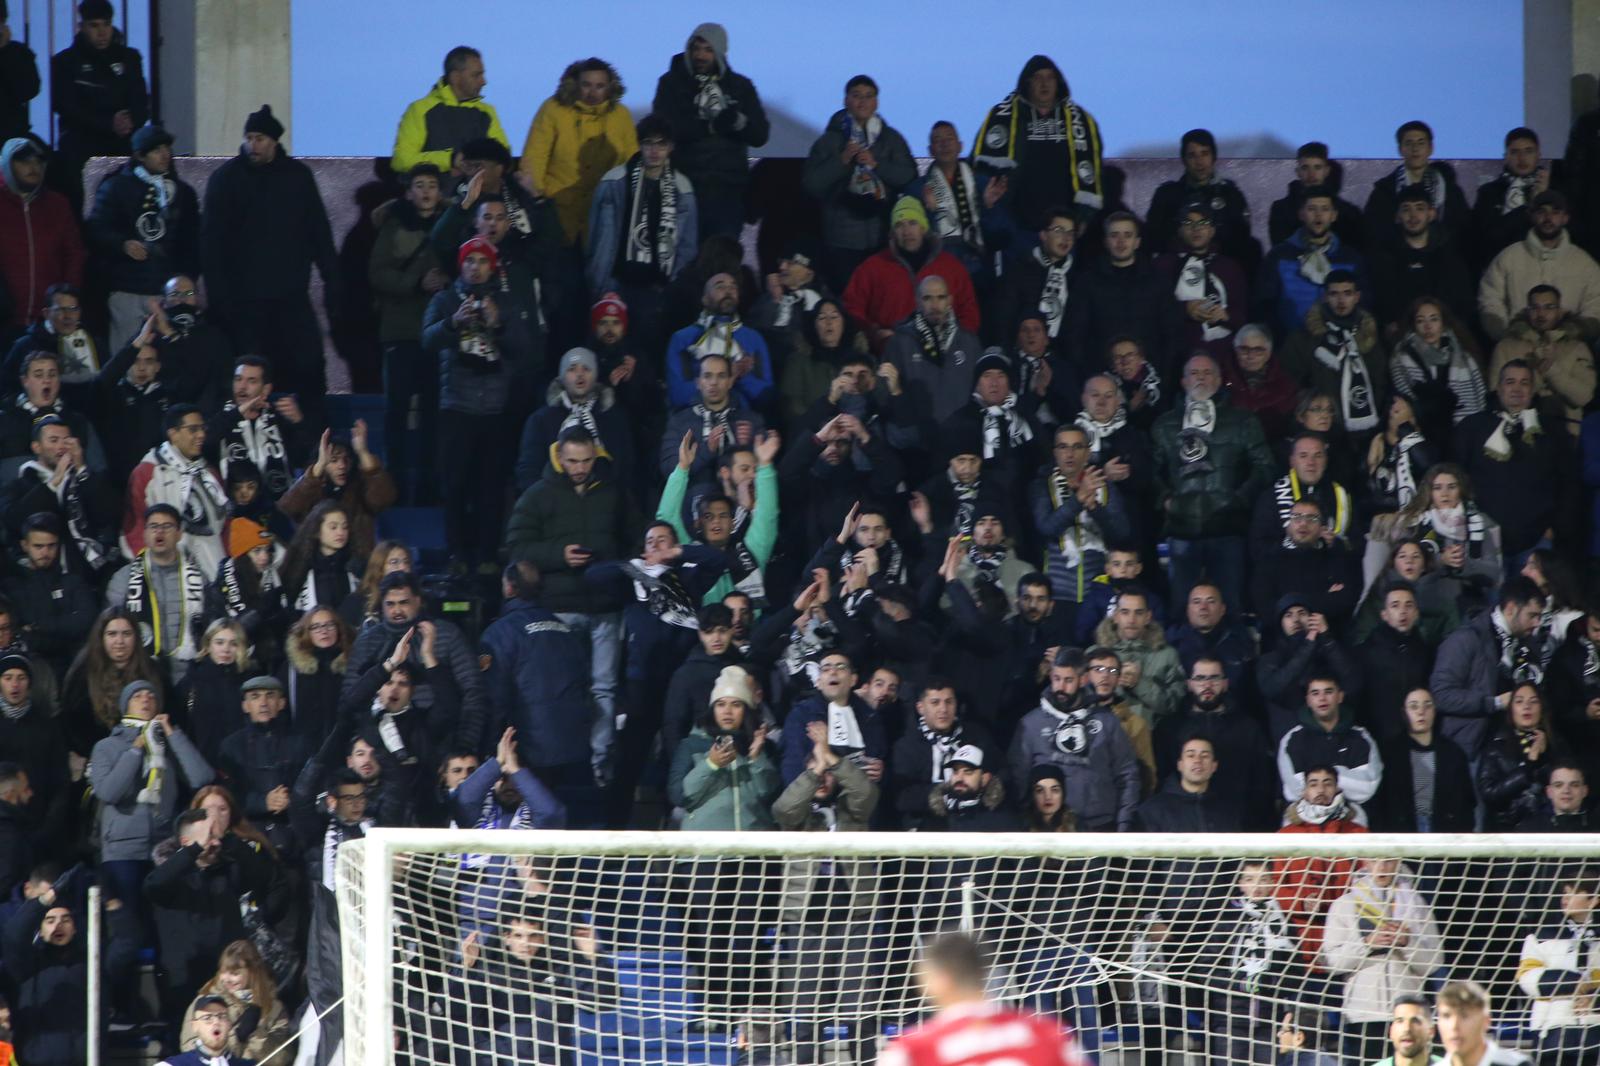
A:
[(737, 796), (759, 538)]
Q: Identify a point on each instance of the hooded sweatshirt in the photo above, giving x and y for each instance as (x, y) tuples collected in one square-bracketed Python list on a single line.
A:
[(571, 144), (716, 118), (40, 236), (1055, 153)]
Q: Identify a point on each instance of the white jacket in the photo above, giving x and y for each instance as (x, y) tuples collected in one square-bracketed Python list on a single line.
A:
[(1554, 960), (1519, 267), (1379, 975)]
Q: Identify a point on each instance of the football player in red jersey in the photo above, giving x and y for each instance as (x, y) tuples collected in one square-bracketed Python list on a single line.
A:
[(970, 1030)]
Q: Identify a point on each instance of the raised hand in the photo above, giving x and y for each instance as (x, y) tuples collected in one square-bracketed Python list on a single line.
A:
[(851, 520), (687, 449), (767, 447)]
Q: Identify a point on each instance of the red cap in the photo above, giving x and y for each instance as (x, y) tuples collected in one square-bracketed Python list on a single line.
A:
[(482, 247), (608, 306)]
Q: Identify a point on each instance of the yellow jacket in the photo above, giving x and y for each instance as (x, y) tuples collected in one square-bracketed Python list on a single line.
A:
[(569, 147), (437, 124)]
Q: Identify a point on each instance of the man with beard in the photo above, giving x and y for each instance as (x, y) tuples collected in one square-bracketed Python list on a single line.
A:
[(55, 605), (887, 287), (1038, 281), (822, 481), (1209, 712), (1296, 269), (253, 427), (1209, 287), (1417, 167), (1123, 295), (719, 331), (38, 229), (576, 397), (1207, 630), (717, 420), (1047, 145), (1087, 742), (1420, 258), (1079, 513), (211, 1019), (934, 356), (1211, 464), (1103, 685), (1336, 350), (1307, 479), (176, 474), (40, 374), (643, 229), (1550, 340), (717, 116), (1220, 198), (987, 557), (1546, 256), (923, 754), (404, 274), (59, 482), (1036, 631), (865, 537), (1306, 887), (530, 233), (748, 544), (971, 799), (1500, 212), (144, 227), (502, 793), (263, 227), (855, 729), (1328, 736)]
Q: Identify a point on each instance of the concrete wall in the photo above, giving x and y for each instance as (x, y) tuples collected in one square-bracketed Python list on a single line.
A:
[(221, 60)]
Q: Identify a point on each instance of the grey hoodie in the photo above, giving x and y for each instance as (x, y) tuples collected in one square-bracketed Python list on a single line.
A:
[(11, 148)]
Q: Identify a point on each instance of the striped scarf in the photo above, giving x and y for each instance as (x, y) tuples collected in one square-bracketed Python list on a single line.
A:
[(956, 217), (658, 250)]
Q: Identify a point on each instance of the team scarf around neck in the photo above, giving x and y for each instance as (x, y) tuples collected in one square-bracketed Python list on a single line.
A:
[(891, 563), (581, 413), (1014, 121), (14, 712), (943, 748), (35, 411), (1519, 190), (1197, 282), (1463, 524), (717, 337), (658, 249), (1322, 813), (1004, 427), (1053, 294), (1432, 181), (711, 420), (337, 833), (956, 215), (69, 494), (1084, 534), (1194, 439), (934, 341), (987, 562), (966, 500), (1339, 349), (709, 99), (201, 499), (1287, 491), (80, 359), (1511, 429), (659, 588), (1100, 433), (1394, 475), (235, 600), (1519, 662), (1070, 728), (864, 180), (260, 441), (153, 771), (142, 602), (791, 302)]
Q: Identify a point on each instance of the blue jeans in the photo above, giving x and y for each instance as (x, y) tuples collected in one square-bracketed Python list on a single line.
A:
[(605, 647), (1216, 559)]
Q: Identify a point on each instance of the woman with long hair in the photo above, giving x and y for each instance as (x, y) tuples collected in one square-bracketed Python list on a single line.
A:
[(387, 557), (113, 655), (260, 1023), (1563, 602), (347, 472), (1511, 768), (218, 802), (319, 567), (825, 340), (209, 703), (1437, 367), (1461, 541), (317, 649), (1398, 458), (1045, 807)]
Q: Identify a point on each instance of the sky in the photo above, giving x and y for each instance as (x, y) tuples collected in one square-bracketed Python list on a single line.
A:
[(1347, 74)]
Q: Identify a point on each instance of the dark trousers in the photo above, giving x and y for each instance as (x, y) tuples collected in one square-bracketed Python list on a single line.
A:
[(411, 418), (573, 784), (633, 747), (721, 211), (287, 332), (475, 456), (839, 263), (1574, 1046), (1218, 559)]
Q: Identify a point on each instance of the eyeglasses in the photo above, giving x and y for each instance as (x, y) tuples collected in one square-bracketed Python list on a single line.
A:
[(210, 1016), (161, 527), (1203, 679), (58, 310), (1307, 519), (323, 627), (192, 427), (1106, 669)]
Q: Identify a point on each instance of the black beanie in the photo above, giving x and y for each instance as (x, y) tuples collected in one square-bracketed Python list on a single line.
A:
[(263, 122), (92, 10)]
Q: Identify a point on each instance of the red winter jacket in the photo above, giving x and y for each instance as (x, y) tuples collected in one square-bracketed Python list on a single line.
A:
[(42, 247), (883, 292), (1307, 887)]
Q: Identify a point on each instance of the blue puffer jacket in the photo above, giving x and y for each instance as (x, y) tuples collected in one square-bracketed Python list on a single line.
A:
[(464, 387), (797, 746), (1283, 295), (538, 680)]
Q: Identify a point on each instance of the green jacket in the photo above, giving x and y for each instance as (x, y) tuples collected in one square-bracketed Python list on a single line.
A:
[(737, 796), (401, 256), (1163, 682), (553, 514), (759, 538), (1212, 502)]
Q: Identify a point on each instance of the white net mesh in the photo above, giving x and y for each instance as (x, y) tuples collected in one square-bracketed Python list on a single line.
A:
[(579, 949)]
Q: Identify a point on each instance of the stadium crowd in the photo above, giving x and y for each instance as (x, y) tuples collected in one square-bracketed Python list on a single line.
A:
[(995, 504)]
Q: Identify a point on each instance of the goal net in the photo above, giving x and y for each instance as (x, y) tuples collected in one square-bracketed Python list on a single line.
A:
[(704, 949)]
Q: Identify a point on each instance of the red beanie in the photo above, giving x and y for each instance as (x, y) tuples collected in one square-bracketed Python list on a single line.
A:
[(482, 247), (608, 306)]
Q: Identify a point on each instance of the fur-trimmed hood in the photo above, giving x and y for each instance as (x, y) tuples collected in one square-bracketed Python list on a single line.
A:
[(304, 660), (1152, 637), (992, 799), (567, 87), (1566, 330), (552, 394), (1366, 332)]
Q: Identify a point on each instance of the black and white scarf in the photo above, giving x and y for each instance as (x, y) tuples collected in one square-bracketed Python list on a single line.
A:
[(1463, 525), (709, 99), (153, 769), (1287, 491), (80, 359), (1263, 937), (1084, 534), (36, 412), (934, 341), (1100, 433), (337, 833), (1069, 729), (1004, 427), (1149, 383), (201, 499), (14, 712), (1519, 660), (1432, 182), (943, 747), (581, 413), (1014, 122), (259, 440), (142, 602), (233, 594), (659, 588), (477, 346), (659, 248), (1320, 813), (388, 729), (793, 300), (1338, 349), (1053, 295), (1194, 439), (966, 500), (717, 337), (956, 216), (864, 180), (1394, 476), (711, 420), (1519, 191), (69, 495), (1196, 281), (891, 563), (987, 562), (151, 225), (1511, 429)]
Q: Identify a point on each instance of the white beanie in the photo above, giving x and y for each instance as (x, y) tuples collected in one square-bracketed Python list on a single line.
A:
[(734, 683)]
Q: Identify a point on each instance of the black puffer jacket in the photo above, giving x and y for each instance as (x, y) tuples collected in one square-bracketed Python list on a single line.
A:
[(263, 227), (88, 86), (714, 152), (1512, 785), (51, 984), (127, 208)]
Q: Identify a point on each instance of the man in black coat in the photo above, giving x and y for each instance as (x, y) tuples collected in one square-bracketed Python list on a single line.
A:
[(1500, 213), (1420, 258), (263, 227), (1200, 184), (261, 760), (19, 80), (144, 228), (1124, 296), (1302, 648), (1322, 573), (1394, 659), (57, 481), (716, 117), (97, 88), (55, 605), (921, 758), (1250, 780), (1186, 803), (1314, 170), (1516, 463), (1039, 282)]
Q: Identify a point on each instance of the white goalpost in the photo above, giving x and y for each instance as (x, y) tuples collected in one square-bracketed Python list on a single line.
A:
[(716, 949)]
